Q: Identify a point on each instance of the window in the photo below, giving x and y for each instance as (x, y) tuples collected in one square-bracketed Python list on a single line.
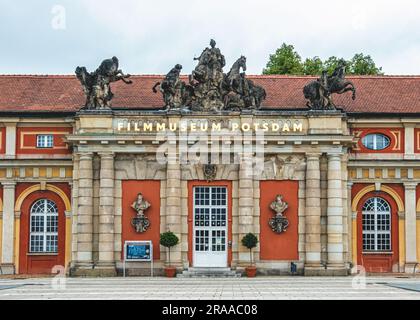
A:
[(45, 141), (376, 141), (43, 227), (376, 225)]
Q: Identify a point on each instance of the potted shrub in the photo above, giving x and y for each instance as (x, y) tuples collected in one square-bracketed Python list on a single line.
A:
[(169, 240), (250, 241)]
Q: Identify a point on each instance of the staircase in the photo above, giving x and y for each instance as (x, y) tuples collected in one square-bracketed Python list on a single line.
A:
[(209, 273)]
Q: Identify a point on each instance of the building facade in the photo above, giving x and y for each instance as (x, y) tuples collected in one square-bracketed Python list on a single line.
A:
[(349, 177)]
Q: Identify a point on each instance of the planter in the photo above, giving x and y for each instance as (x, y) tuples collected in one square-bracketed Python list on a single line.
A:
[(251, 272), (170, 272)]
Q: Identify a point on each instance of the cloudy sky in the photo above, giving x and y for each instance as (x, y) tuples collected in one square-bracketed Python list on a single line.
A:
[(151, 36)]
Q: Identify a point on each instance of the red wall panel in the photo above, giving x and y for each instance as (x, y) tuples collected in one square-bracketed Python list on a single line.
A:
[(151, 192), (282, 246), (396, 135), (26, 140), (2, 140), (417, 140)]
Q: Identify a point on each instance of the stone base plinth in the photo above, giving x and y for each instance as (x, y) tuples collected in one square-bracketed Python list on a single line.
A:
[(326, 272), (98, 271), (7, 269), (412, 267)]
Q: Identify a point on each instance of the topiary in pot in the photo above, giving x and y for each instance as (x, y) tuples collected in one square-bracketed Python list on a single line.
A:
[(250, 241), (169, 240)]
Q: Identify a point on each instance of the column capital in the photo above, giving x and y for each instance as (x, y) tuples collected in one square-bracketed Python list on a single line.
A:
[(401, 215), (106, 154), (350, 184), (8, 184), (410, 185), (334, 155), (313, 155), (85, 155)]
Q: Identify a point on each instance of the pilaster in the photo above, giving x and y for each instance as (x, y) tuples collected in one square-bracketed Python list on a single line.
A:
[(410, 226), (7, 256), (106, 213), (313, 214), (335, 214)]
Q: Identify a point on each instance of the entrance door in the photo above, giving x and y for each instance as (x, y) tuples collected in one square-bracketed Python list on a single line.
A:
[(210, 226)]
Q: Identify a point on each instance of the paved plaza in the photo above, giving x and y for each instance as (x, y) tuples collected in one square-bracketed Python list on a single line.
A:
[(266, 288)]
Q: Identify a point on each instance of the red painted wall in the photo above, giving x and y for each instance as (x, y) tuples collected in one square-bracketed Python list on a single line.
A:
[(26, 140), (2, 140), (279, 246), (396, 135), (151, 192), (40, 264), (417, 140), (191, 185), (378, 262)]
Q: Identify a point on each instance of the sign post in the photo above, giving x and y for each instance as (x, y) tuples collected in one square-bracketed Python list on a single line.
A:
[(138, 251)]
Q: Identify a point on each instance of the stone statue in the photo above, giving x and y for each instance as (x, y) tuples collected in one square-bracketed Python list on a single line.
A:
[(319, 92), (209, 89), (141, 223), (97, 85), (279, 222), (176, 93)]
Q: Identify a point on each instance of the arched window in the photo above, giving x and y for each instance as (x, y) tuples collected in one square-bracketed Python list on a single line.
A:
[(376, 141), (376, 225), (43, 227)]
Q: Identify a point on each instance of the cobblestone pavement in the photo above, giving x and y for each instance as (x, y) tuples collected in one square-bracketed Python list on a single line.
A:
[(270, 288)]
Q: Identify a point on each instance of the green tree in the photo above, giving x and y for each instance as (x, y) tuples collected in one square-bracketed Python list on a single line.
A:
[(313, 66), (333, 62), (284, 61), (250, 241), (287, 61), (363, 65), (169, 240)]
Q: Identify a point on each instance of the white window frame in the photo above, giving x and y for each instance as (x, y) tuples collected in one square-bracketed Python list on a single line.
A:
[(45, 141), (376, 232), (375, 141), (43, 234)]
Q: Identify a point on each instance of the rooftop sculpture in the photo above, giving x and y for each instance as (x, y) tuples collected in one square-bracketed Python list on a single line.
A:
[(208, 88), (97, 85), (318, 92)]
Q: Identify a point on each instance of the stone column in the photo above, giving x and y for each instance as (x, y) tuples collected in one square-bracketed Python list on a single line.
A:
[(246, 203), (410, 226), (313, 214), (173, 205), (7, 256), (85, 212), (106, 213), (349, 223), (335, 214)]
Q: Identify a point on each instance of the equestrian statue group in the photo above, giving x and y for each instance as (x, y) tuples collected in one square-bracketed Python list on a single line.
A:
[(208, 88)]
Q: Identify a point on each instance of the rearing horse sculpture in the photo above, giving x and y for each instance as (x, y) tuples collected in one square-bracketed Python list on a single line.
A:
[(234, 80), (318, 92)]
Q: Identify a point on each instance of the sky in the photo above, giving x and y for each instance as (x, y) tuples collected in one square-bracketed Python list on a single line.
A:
[(150, 37)]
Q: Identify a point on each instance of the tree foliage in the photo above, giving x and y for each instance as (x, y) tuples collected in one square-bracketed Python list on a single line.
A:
[(287, 61)]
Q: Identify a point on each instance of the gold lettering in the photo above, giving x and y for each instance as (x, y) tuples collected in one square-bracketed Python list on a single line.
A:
[(148, 126), (298, 127)]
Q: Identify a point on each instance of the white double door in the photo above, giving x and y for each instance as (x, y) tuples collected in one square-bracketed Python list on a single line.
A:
[(210, 226)]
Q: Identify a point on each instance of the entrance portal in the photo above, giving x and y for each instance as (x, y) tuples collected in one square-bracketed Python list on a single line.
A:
[(210, 208)]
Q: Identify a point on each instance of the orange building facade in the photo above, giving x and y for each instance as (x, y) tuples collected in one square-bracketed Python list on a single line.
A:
[(350, 179)]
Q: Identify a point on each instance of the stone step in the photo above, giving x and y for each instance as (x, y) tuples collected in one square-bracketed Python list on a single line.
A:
[(209, 273)]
